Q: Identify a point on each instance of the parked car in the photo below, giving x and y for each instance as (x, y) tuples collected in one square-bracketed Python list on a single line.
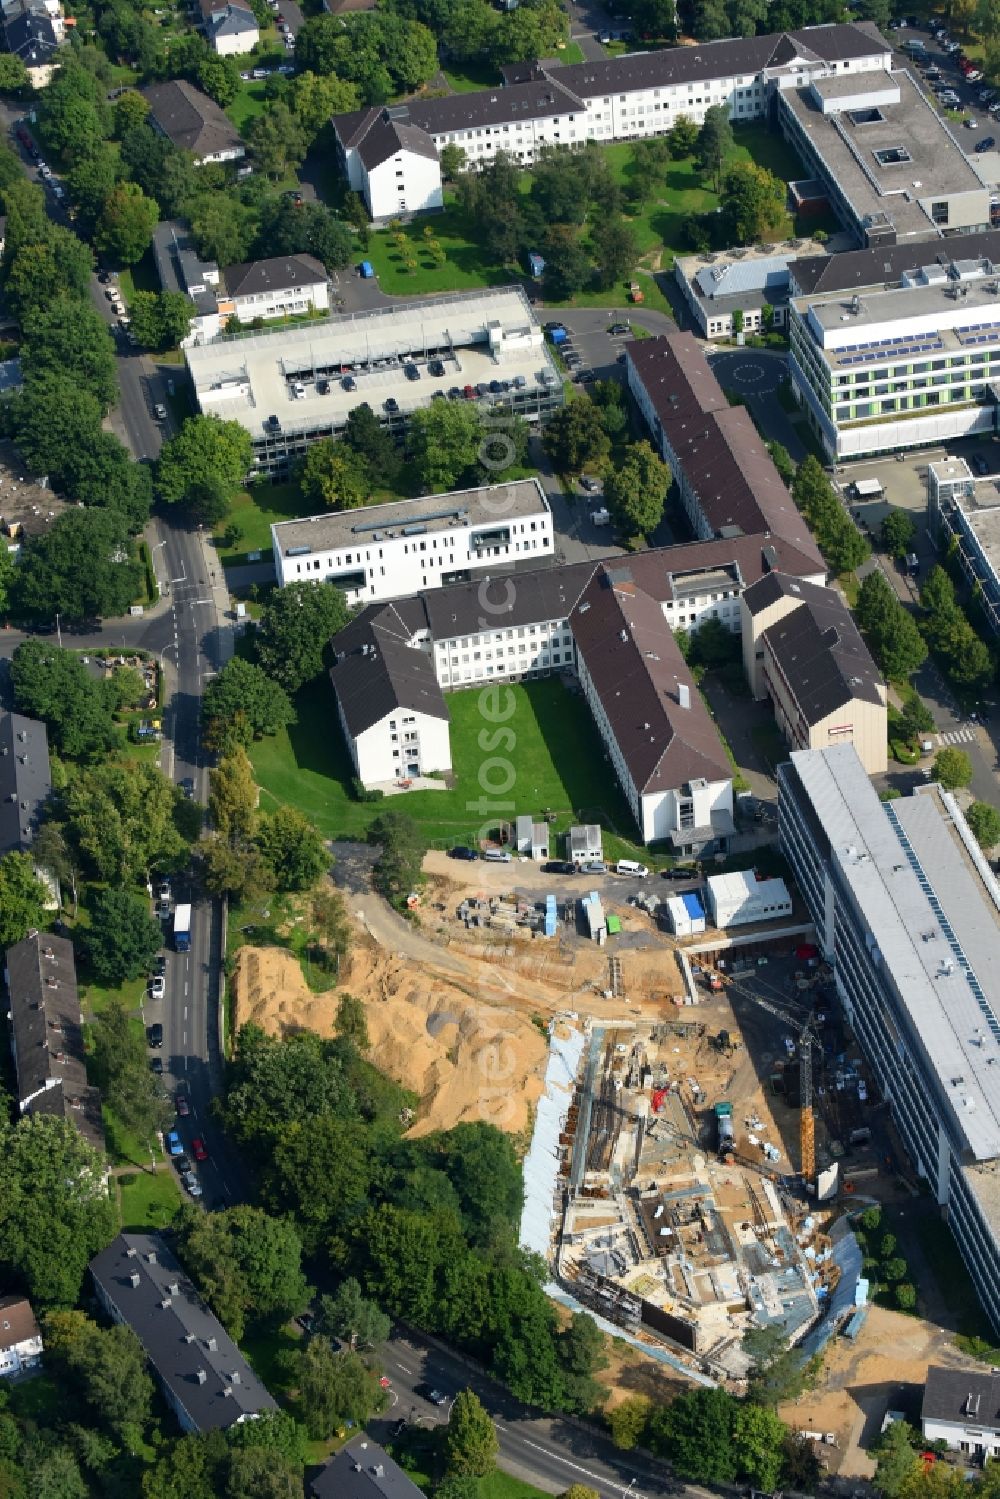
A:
[(594, 866), (158, 988), (156, 1066), (428, 1392), (985, 143), (182, 1105), (559, 866), (198, 1149), (435, 367), (160, 412), (391, 405), (191, 1183), (462, 852), (174, 1145), (411, 372), (620, 328), (186, 786), (680, 874), (154, 1035), (349, 383), (160, 966)]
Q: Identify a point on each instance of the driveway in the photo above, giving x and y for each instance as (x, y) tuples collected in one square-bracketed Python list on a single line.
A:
[(756, 375)]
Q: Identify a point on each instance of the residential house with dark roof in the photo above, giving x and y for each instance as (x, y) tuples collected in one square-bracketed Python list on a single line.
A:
[(962, 1407), (25, 780), (363, 1470), (389, 160), (727, 480), (34, 30), (802, 651), (193, 121), (181, 270), (621, 98), (285, 286), (230, 26), (204, 1377), (20, 1337), (46, 1034)]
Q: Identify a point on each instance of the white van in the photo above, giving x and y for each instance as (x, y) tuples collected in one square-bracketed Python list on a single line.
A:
[(629, 866), (497, 856)]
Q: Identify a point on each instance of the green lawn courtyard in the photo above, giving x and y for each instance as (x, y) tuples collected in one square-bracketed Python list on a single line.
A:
[(148, 1200), (557, 765), (657, 225), (247, 526)]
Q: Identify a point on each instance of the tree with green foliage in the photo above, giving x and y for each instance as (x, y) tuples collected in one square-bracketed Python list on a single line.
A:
[(106, 1369), (334, 475), (123, 939), (682, 137), (616, 250), (332, 1389), (294, 630), (55, 1213), (121, 1071), (471, 1443), (628, 1420), (219, 78), (714, 143), (365, 434), (397, 870), (22, 898), (131, 109), (83, 568), (444, 440), (124, 230), (984, 822), (575, 437), (567, 264), (452, 161), (351, 1318), (896, 1459), (897, 533), (72, 115), (122, 821), (753, 203), (758, 1435), (245, 691), (276, 140), (203, 465), (579, 1491), (636, 490), (274, 1084), (263, 1473), (70, 338), (906, 1296), (55, 686), (783, 461), (232, 798), (840, 541), (13, 74), (776, 1371), (247, 1264), (161, 320), (7, 576), (313, 99), (695, 1432), (952, 768), (321, 1170), (292, 848), (915, 717), (582, 1355)]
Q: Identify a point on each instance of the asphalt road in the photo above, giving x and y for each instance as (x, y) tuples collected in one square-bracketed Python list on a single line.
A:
[(552, 1454)]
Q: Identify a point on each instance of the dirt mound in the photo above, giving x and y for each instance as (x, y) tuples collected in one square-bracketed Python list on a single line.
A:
[(464, 1058)]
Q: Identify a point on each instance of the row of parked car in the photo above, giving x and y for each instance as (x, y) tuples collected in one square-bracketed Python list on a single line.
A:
[(628, 867)]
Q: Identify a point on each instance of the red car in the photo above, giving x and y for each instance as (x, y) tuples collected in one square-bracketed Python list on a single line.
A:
[(182, 1105), (198, 1149)]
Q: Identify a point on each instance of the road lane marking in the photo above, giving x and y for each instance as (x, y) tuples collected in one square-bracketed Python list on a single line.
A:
[(185, 1012), (558, 1457)]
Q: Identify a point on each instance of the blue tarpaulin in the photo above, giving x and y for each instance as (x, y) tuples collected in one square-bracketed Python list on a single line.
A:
[(693, 906)]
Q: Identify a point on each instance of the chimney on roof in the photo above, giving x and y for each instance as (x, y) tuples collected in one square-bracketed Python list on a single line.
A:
[(201, 1376), (174, 1288), (151, 1256), (165, 1303), (135, 1278), (683, 695)]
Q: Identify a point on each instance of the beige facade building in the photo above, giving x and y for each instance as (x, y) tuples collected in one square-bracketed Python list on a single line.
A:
[(802, 650)]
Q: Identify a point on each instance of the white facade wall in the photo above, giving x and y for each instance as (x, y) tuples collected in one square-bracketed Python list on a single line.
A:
[(682, 923), (504, 654), (403, 744), (691, 613), (984, 1441), (408, 183), (403, 566), (20, 1357), (737, 900), (282, 301), (232, 44)]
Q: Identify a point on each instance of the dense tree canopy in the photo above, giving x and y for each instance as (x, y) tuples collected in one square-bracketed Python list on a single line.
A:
[(123, 939), (247, 1264), (243, 694), (55, 686), (22, 898), (203, 465)]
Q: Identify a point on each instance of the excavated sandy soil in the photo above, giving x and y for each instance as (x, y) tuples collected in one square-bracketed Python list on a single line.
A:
[(466, 1060)]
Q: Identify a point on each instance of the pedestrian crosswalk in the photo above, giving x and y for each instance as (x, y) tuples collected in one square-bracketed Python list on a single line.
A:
[(964, 735)]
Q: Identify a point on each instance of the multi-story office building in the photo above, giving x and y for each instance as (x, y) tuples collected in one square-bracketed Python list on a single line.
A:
[(291, 386), (966, 510), (906, 365), (892, 169), (907, 911), (621, 98), (389, 551)]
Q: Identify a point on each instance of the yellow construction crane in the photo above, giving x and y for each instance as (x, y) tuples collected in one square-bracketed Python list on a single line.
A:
[(802, 1023)]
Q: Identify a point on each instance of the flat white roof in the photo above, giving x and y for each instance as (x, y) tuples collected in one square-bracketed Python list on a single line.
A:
[(744, 885), (492, 505), (479, 337), (932, 911)]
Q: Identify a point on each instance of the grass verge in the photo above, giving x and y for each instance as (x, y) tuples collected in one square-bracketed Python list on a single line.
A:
[(148, 1200)]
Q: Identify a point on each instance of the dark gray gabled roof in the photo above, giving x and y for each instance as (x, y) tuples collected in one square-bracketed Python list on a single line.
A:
[(190, 119), (363, 1470), (818, 648), (853, 270), (47, 1034), (965, 1396), (377, 672), (387, 137), (25, 780), (278, 274), (143, 1285), (31, 36), (637, 670), (523, 598)]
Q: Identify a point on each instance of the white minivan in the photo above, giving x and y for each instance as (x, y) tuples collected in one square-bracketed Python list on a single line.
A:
[(629, 866), (497, 856)]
